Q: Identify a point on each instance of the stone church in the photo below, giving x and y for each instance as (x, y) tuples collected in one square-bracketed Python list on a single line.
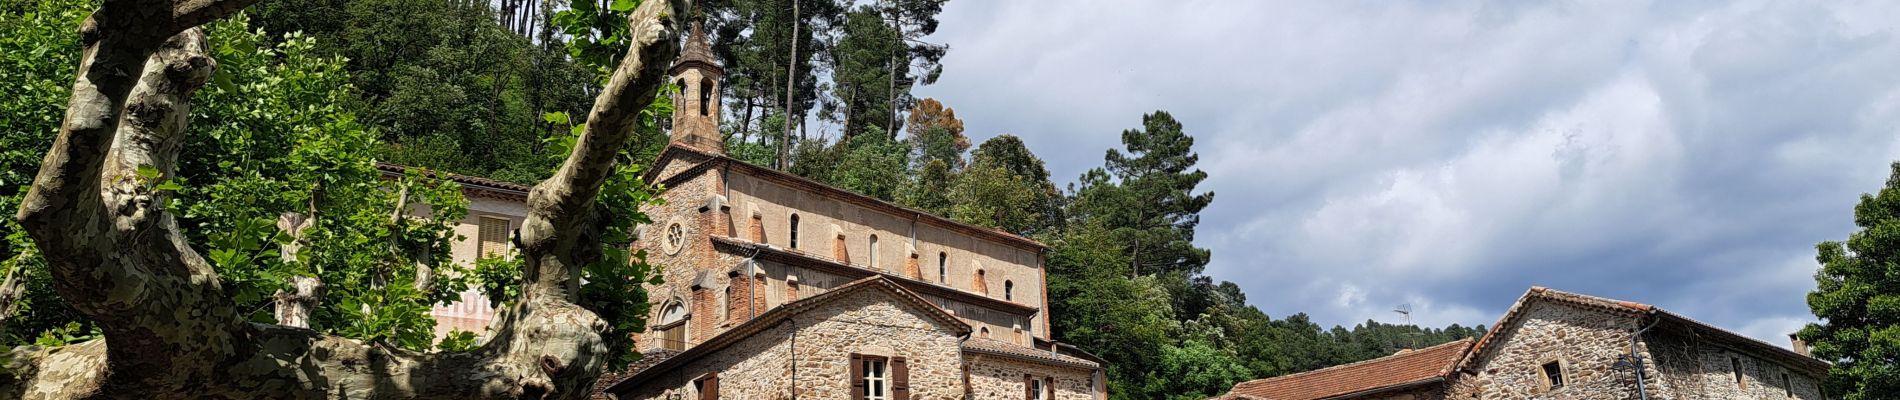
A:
[(780, 287)]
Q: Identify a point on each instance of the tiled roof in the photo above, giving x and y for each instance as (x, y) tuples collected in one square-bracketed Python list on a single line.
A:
[(647, 360), (1000, 348), (469, 182), (697, 52), (711, 160), (1415, 367)]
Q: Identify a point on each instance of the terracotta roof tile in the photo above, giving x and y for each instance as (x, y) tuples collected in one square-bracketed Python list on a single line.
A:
[(1017, 351), (1405, 368)]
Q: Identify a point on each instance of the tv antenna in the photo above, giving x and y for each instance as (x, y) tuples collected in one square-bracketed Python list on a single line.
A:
[(1405, 312)]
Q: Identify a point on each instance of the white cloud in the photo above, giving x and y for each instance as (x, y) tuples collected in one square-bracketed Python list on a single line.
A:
[(1451, 154)]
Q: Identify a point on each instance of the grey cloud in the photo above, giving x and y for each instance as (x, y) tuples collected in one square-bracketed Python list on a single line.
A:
[(1451, 154)]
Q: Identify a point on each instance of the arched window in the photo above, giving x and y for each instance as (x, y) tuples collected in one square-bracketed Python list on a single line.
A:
[(985, 332), (705, 94), (873, 251), (683, 91), (672, 326), (794, 234), (1008, 290), (943, 267)]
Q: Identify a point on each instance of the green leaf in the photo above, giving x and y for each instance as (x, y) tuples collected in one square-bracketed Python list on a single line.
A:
[(148, 172), (623, 5)]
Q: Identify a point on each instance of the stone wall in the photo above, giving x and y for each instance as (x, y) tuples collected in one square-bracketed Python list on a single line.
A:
[(1693, 370), (999, 378), (1585, 342), (809, 353)]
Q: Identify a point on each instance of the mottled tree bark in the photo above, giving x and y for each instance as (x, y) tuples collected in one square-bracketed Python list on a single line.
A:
[(117, 256)]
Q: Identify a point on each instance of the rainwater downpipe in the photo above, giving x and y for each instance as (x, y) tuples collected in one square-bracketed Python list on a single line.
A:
[(1642, 390)]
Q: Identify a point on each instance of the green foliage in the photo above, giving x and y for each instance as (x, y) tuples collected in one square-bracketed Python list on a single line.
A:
[(1858, 301), (447, 87), (273, 134), (863, 71), (1125, 283), (38, 53), (1147, 194), (457, 341), (872, 165)]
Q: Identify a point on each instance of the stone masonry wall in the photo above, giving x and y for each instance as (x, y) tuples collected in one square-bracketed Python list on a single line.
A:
[(1695, 370), (1586, 342), (998, 378), (816, 345)]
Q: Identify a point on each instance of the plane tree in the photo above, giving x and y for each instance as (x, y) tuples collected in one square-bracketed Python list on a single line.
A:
[(96, 215)]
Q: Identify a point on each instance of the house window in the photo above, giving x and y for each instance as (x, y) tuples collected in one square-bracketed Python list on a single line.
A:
[(1008, 289), (1038, 389), (794, 234), (1787, 386), (1735, 364), (494, 237), (872, 382), (943, 267), (873, 251), (673, 326), (708, 387), (1553, 375)]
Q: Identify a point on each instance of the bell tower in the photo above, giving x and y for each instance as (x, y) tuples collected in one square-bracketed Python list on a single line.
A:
[(696, 107)]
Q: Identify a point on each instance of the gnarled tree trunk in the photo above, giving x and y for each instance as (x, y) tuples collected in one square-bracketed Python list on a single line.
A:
[(170, 329)]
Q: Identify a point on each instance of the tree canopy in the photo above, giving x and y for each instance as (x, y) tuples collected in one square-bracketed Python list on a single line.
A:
[(1857, 299)]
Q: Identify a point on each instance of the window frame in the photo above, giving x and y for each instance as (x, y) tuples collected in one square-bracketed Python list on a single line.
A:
[(1544, 372), (482, 240), (794, 231), (869, 387)]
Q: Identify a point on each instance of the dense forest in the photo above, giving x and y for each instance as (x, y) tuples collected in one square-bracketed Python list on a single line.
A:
[(309, 92)]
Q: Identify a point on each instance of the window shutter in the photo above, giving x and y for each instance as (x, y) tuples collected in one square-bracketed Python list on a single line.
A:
[(710, 391), (857, 377), (1029, 386), (900, 379)]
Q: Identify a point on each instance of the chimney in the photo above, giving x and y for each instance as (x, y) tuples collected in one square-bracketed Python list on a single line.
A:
[(1800, 346)]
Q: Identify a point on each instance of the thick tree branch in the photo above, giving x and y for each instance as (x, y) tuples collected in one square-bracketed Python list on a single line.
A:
[(556, 238)]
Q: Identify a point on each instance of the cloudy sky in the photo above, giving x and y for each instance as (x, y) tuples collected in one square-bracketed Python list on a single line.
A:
[(1451, 154)]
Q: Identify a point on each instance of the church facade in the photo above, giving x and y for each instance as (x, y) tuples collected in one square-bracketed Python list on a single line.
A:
[(776, 286)]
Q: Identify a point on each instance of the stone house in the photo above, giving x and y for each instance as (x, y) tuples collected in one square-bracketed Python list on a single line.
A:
[(751, 257), (1558, 345)]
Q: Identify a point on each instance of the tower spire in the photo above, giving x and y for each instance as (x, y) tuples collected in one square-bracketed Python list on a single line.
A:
[(696, 109)]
